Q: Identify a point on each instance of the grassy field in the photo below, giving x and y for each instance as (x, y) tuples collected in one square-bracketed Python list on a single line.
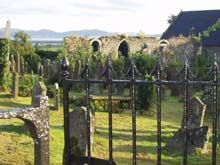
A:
[(16, 146)]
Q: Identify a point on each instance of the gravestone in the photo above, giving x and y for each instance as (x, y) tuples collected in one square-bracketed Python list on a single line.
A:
[(197, 134), (78, 130), (196, 113), (15, 67), (39, 90), (56, 96), (22, 66), (172, 74), (98, 88)]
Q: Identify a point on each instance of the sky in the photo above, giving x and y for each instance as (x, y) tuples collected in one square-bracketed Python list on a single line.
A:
[(148, 16)]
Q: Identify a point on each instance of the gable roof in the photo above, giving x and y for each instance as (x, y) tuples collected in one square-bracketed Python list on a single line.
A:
[(199, 21)]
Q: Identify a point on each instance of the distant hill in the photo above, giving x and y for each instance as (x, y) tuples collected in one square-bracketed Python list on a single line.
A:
[(45, 33)]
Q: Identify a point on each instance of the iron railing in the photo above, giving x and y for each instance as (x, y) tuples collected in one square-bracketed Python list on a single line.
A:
[(67, 82)]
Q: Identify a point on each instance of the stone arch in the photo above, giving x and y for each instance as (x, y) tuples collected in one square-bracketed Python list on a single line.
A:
[(123, 48), (96, 45)]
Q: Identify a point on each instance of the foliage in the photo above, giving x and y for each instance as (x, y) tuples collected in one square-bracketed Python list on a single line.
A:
[(26, 84), (146, 95), (171, 19), (99, 106), (212, 28), (49, 54), (4, 68), (201, 65), (145, 63), (23, 46), (119, 67)]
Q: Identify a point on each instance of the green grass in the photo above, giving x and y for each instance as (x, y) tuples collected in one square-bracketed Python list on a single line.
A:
[(16, 146)]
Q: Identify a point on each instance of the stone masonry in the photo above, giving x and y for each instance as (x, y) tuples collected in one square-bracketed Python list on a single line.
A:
[(111, 44), (37, 121)]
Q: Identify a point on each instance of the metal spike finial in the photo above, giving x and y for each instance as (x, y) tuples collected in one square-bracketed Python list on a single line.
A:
[(108, 66), (132, 71), (65, 67)]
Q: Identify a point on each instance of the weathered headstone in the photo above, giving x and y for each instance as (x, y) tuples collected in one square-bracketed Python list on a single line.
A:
[(38, 90), (16, 70), (22, 66), (197, 134), (172, 74), (18, 62), (78, 130), (56, 96), (196, 113)]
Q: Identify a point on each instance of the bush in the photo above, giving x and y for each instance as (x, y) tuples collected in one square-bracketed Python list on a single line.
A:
[(145, 63), (99, 106), (49, 54), (26, 84), (146, 95)]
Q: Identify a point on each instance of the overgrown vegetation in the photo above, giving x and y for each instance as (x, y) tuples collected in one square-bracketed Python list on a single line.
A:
[(4, 68)]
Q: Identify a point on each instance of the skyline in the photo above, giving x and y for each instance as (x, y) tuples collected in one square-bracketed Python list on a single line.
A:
[(108, 15)]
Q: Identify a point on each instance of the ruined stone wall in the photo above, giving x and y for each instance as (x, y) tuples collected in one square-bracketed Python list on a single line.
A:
[(110, 44), (73, 42), (179, 47)]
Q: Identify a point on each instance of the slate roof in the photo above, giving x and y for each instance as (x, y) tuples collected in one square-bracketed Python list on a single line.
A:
[(197, 20)]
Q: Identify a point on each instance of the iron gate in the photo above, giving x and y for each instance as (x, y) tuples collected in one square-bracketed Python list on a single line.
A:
[(67, 82)]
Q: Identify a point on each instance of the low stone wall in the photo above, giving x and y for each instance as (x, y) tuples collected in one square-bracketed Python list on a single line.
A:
[(37, 121)]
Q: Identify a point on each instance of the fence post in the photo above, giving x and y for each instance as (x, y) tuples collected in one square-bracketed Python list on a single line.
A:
[(215, 112), (158, 70), (185, 113), (65, 75)]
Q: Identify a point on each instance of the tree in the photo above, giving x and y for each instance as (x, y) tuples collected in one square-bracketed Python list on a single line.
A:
[(4, 68), (171, 18), (23, 46)]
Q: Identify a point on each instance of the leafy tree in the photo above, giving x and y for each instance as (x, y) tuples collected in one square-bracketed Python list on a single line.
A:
[(4, 70), (23, 46), (171, 18)]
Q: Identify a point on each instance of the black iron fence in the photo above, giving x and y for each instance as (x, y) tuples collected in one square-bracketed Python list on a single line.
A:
[(68, 82)]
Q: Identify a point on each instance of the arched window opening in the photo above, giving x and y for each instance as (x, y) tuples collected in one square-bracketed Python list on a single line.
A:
[(123, 49)]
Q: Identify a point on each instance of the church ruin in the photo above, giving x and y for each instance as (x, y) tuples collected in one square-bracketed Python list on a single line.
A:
[(118, 45)]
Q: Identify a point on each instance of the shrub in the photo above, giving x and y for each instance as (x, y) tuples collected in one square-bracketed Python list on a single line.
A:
[(5, 80), (99, 106), (26, 84), (146, 95)]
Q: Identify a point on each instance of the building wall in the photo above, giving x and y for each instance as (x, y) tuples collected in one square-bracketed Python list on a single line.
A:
[(110, 44)]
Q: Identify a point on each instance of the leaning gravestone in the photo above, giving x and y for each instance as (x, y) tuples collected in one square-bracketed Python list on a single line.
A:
[(197, 133), (78, 131)]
